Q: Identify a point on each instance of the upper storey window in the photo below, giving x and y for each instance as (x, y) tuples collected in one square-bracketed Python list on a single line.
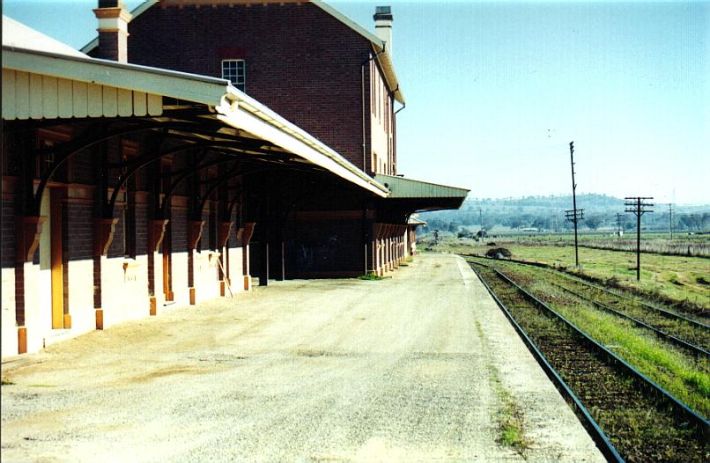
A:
[(234, 70)]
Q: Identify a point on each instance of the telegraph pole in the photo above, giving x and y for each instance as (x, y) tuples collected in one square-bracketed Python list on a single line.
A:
[(574, 215), (619, 227), (638, 205), (670, 218)]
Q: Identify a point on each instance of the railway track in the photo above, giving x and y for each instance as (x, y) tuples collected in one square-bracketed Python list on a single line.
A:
[(687, 333), (697, 318), (630, 417), (680, 331), (613, 296)]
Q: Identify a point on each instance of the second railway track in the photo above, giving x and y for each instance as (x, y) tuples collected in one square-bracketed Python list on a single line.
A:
[(680, 331), (642, 422)]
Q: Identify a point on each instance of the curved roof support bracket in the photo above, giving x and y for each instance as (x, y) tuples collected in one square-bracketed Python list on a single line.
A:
[(137, 164), (92, 136)]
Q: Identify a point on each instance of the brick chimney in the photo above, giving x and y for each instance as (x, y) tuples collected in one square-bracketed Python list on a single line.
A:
[(113, 30), (383, 26)]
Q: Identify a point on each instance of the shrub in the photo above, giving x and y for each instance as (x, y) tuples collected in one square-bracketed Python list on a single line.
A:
[(498, 253)]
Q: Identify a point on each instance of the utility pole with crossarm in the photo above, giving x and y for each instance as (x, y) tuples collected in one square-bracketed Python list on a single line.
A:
[(619, 227), (638, 205), (574, 215)]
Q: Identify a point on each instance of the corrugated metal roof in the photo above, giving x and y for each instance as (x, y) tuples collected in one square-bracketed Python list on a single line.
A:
[(17, 35), (180, 85), (407, 188), (27, 95), (233, 106)]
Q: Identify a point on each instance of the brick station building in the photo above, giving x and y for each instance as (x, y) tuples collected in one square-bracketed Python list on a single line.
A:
[(324, 73), (194, 158)]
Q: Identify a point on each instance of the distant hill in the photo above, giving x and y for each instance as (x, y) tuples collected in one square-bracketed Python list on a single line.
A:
[(547, 213)]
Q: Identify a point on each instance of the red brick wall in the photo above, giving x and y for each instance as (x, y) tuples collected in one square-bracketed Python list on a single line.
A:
[(8, 232), (82, 167), (325, 249), (178, 222), (301, 62), (80, 235), (141, 229)]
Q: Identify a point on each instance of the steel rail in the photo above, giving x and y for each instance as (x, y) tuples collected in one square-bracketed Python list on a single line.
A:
[(581, 281), (662, 311), (697, 350), (701, 424), (588, 422)]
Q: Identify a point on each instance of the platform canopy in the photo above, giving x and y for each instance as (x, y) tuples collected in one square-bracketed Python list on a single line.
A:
[(45, 79), (419, 196)]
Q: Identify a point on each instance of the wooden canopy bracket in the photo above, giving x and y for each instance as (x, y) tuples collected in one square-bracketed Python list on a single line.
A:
[(156, 232), (28, 229), (103, 235), (378, 230), (225, 228), (194, 233), (245, 233)]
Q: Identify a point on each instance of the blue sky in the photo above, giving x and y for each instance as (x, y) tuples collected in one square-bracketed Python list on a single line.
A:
[(497, 90)]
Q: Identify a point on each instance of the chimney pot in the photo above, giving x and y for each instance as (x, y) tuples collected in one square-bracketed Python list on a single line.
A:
[(383, 26), (110, 3)]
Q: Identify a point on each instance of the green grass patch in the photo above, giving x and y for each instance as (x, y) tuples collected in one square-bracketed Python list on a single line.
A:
[(511, 433), (683, 376), (666, 278), (511, 419)]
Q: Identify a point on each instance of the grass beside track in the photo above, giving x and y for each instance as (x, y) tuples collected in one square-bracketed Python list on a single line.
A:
[(511, 420), (683, 375), (672, 278), (640, 424)]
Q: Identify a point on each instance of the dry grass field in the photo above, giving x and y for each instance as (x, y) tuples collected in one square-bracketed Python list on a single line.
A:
[(667, 278)]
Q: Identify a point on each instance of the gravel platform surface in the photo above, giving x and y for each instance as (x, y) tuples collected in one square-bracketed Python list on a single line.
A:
[(416, 367)]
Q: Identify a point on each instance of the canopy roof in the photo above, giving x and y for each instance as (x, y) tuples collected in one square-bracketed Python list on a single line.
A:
[(41, 85), (46, 79), (422, 196)]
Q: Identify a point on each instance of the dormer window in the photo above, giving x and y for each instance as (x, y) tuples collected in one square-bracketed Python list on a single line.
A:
[(234, 70)]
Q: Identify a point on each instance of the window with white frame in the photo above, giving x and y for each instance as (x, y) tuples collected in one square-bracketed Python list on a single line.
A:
[(234, 70)]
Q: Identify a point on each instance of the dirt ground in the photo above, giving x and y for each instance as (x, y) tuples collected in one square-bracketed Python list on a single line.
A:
[(418, 367)]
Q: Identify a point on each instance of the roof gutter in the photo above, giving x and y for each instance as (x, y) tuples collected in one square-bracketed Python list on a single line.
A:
[(387, 67), (404, 105), (364, 112)]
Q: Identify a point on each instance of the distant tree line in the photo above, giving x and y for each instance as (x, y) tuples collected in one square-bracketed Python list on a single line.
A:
[(547, 214)]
